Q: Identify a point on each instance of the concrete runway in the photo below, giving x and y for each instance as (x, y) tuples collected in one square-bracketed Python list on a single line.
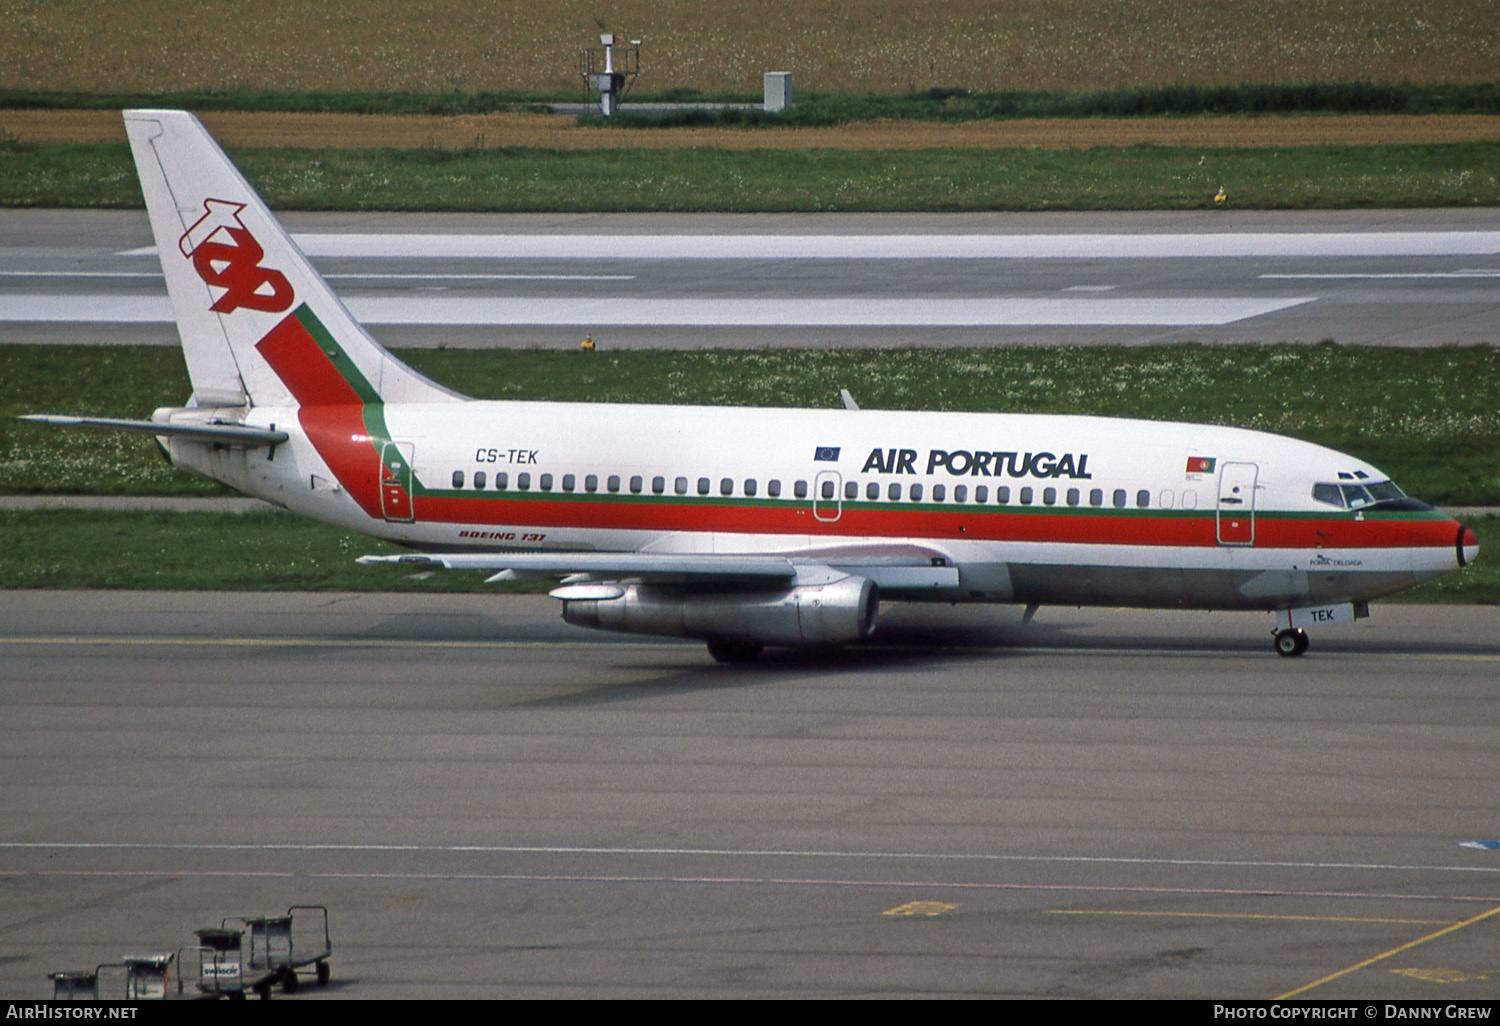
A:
[(492, 803), (1425, 277)]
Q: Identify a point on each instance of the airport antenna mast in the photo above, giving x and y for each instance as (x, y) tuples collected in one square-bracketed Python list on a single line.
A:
[(609, 69)]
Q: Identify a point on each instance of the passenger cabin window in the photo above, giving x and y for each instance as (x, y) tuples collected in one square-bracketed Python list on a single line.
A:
[(458, 479), (1119, 498), (479, 479), (726, 486), (827, 489), (799, 489), (851, 489), (981, 493), (1026, 496), (1073, 496), (872, 490), (750, 488), (680, 486), (635, 485), (939, 493), (658, 485), (523, 482), (502, 481), (893, 492), (773, 488), (1002, 495), (1096, 496), (591, 483), (916, 493), (613, 484), (960, 493), (568, 481), (1143, 498), (1049, 496), (703, 486), (546, 482)]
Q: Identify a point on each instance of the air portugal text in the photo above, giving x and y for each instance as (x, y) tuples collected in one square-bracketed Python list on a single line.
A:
[(964, 463)]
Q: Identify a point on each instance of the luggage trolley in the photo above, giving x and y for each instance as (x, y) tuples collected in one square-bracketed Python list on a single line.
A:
[(146, 976), (136, 978), (81, 985), (221, 963), (280, 946)]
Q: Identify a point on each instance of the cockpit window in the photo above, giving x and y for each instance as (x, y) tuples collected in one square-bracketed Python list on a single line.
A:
[(1356, 496)]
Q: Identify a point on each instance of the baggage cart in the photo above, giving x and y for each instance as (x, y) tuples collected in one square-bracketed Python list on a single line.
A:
[(283, 946)]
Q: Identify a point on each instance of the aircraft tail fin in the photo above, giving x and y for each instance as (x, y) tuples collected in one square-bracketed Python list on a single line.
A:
[(259, 325)]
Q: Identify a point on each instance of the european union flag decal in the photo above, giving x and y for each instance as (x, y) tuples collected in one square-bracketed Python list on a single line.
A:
[(826, 454)]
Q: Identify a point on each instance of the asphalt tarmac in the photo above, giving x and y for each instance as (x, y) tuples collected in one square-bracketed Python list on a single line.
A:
[(1410, 278), (494, 804)]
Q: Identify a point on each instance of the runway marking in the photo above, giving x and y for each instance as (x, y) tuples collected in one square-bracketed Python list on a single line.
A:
[(773, 312), (750, 881), (512, 849), (1243, 915), (987, 246), (1391, 274), (480, 277), (1451, 928), (392, 276), (83, 274), (1441, 975), (930, 909)]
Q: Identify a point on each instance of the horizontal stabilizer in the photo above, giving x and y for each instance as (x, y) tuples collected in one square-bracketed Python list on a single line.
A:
[(225, 434)]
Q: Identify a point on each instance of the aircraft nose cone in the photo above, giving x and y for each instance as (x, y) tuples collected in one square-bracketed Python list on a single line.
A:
[(1468, 546)]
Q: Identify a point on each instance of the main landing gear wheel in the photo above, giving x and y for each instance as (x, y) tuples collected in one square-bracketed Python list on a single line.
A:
[(1290, 643), (734, 651)]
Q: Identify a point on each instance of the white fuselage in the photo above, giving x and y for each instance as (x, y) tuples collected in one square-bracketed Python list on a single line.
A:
[(1029, 508)]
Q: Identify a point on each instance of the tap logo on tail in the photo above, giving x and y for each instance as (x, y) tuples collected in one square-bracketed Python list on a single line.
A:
[(226, 255)]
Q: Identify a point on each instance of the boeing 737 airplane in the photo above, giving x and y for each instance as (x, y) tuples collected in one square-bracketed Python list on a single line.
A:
[(740, 527)]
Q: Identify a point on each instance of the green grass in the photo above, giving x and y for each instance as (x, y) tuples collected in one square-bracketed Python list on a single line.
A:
[(827, 108), (278, 551), (1429, 417), (1105, 178), (269, 551), (955, 105)]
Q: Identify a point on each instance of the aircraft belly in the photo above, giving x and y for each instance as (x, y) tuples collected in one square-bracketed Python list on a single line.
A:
[(1197, 588)]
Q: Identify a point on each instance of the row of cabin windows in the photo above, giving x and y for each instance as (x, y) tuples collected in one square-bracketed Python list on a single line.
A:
[(1026, 495), (636, 484), (894, 490)]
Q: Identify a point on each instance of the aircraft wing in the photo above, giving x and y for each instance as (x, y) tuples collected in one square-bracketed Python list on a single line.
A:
[(224, 434), (655, 567), (898, 567)]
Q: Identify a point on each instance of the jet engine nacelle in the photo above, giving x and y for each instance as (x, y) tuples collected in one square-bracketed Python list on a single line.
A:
[(835, 613)]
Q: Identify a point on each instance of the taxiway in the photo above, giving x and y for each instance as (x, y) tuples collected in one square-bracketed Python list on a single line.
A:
[(493, 803)]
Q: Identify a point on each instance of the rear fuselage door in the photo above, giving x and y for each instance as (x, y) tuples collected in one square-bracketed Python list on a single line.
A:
[(1236, 509), (395, 482)]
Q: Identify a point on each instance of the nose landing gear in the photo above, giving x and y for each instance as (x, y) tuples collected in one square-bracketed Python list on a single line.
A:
[(1292, 642)]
